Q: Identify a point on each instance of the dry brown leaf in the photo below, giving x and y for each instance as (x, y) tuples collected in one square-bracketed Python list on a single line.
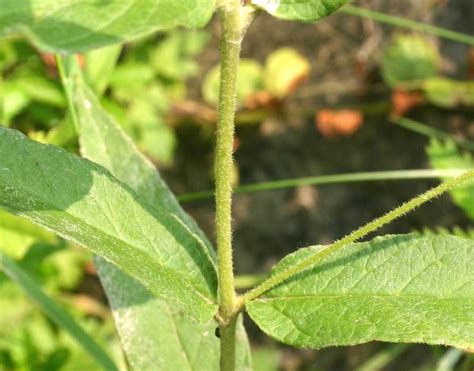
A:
[(403, 101), (332, 123)]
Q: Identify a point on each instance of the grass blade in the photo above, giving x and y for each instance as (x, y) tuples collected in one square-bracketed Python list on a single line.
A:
[(409, 24), (330, 179)]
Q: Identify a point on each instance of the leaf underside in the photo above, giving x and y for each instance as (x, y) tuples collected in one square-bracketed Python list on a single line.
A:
[(179, 344), (79, 25), (403, 288), (82, 202), (300, 10), (153, 333)]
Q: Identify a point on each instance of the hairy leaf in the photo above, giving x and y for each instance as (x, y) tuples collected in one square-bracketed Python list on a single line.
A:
[(403, 288), (82, 202), (78, 25), (300, 10), (179, 344)]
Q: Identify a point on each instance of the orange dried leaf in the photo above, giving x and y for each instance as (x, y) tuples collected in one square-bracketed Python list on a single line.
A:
[(403, 101), (331, 123)]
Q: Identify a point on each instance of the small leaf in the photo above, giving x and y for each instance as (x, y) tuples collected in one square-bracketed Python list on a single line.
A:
[(449, 93), (445, 156), (285, 71), (179, 344), (54, 311), (71, 25), (300, 10), (403, 288), (82, 202), (409, 59)]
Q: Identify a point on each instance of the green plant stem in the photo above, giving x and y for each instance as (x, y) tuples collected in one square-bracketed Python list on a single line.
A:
[(407, 23), (354, 236), (449, 360), (230, 51), (227, 340), (233, 28), (65, 65), (383, 357), (330, 179)]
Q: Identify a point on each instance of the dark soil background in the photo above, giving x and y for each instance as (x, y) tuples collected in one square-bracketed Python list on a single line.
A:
[(269, 225)]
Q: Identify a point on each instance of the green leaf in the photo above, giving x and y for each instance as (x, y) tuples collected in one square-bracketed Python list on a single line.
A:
[(158, 141), (172, 58), (13, 100), (300, 10), (180, 344), (154, 333), (409, 59), (103, 141), (132, 74), (17, 235), (99, 66), (447, 156), (41, 89), (403, 288), (455, 231), (82, 202), (78, 25), (54, 311), (285, 70), (448, 93)]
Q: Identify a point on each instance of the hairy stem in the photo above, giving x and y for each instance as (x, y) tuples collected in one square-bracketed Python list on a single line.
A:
[(354, 236), (230, 50), (233, 26)]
